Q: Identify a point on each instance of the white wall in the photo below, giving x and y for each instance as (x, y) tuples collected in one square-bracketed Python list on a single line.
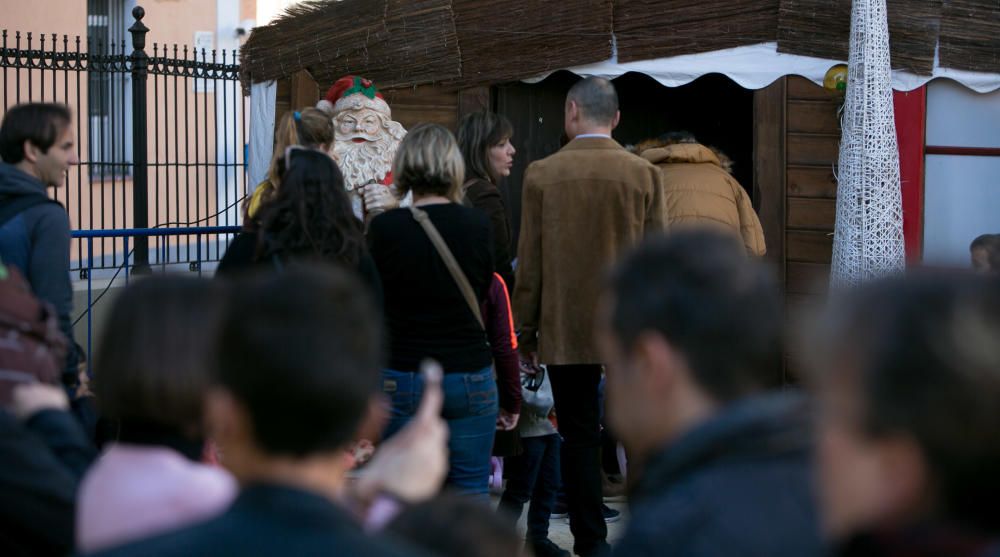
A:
[(267, 10), (961, 201), (960, 117), (961, 193), (229, 115)]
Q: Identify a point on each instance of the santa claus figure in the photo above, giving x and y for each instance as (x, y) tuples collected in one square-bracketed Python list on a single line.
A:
[(365, 143)]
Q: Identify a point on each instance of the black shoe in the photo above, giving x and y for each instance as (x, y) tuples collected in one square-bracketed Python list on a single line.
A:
[(547, 548), (561, 511)]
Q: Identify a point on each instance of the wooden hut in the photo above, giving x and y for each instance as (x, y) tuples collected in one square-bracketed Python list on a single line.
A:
[(436, 60)]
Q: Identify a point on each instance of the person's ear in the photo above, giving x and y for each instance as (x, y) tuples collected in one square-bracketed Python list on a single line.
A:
[(618, 117), (226, 419), (572, 111), (31, 151), (657, 363)]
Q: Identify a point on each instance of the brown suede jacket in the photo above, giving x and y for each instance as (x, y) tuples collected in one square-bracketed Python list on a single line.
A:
[(581, 209)]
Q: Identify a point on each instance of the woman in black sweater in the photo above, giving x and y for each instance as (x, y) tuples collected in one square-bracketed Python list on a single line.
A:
[(484, 139), (426, 313)]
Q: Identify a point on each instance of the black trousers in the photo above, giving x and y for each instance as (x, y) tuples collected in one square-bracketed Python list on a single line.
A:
[(575, 389)]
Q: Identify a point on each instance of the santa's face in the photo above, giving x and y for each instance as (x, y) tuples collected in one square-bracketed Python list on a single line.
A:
[(359, 125), (365, 142)]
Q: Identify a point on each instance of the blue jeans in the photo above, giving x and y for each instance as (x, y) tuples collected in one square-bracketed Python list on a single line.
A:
[(533, 475), (470, 409)]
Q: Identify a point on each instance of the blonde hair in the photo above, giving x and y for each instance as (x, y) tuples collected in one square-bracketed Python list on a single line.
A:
[(428, 162), (311, 128)]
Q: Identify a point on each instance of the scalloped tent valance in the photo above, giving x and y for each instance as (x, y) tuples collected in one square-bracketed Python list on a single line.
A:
[(757, 66)]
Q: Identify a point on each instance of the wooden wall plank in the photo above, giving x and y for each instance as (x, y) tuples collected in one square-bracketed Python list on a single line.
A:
[(475, 99), (813, 146), (769, 168), (424, 94), (304, 90), (807, 278), (411, 116), (812, 181), (813, 149), (800, 88), (282, 98), (805, 246), (424, 104), (813, 117), (811, 214)]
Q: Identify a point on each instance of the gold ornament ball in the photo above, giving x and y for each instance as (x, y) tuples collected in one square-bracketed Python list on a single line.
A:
[(836, 78)]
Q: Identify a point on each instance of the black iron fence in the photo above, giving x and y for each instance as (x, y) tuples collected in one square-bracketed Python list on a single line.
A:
[(161, 138)]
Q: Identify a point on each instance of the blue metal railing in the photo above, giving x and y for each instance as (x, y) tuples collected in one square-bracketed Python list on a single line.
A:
[(158, 259)]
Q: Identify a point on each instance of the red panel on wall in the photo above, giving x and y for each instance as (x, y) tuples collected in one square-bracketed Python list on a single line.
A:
[(911, 124)]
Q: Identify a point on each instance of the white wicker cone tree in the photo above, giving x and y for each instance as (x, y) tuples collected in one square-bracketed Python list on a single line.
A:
[(868, 237)]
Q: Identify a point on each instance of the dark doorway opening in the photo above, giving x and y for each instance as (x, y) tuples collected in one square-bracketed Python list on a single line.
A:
[(714, 108)]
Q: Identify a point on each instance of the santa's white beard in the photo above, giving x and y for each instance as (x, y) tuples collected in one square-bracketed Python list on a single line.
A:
[(365, 162)]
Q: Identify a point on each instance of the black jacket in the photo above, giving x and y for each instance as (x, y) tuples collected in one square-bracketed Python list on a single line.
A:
[(41, 464), (486, 197), (739, 484), (268, 520), (924, 539), (36, 241), (241, 257)]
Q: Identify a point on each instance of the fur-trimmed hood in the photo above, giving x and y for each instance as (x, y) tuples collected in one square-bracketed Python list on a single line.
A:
[(665, 151)]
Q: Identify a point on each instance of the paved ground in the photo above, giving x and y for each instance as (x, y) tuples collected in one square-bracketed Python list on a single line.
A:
[(559, 527)]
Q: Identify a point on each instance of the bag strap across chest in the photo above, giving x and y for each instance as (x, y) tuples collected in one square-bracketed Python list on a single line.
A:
[(449, 260)]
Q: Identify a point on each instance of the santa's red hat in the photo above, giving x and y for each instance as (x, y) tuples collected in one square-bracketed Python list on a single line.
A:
[(353, 92)]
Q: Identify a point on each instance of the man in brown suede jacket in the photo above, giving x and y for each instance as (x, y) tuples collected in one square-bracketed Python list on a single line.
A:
[(581, 208)]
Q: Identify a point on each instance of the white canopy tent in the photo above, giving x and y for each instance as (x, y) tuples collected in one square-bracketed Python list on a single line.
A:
[(757, 66)]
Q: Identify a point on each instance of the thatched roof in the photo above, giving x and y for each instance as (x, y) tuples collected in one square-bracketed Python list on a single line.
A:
[(394, 42), (463, 43)]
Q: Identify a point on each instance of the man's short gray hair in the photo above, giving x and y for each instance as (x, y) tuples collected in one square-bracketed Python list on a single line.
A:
[(597, 99)]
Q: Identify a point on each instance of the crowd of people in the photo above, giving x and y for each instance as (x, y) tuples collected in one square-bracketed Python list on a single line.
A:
[(235, 415)]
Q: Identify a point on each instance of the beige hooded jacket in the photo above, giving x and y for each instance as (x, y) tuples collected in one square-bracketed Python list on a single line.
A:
[(699, 191)]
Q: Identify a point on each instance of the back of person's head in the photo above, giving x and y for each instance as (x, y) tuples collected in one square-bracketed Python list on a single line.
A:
[(722, 311), (477, 133), (677, 137), (153, 360), (911, 366), (596, 99), (41, 124), (309, 127), (300, 352), (985, 251), (428, 162), (664, 140), (311, 215), (457, 526)]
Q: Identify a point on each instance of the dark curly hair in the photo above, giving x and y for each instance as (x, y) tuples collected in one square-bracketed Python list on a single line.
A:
[(311, 216)]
